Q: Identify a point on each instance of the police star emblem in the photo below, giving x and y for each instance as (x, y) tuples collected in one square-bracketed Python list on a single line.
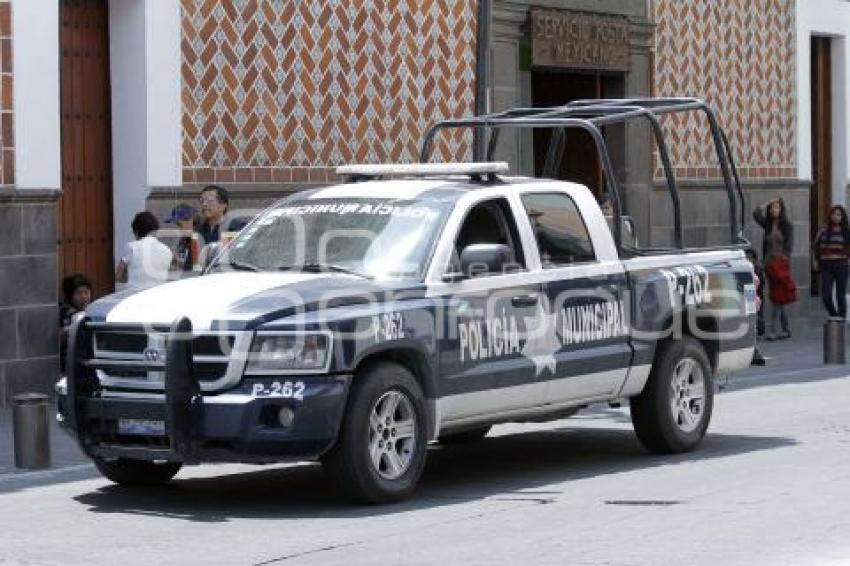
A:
[(541, 340)]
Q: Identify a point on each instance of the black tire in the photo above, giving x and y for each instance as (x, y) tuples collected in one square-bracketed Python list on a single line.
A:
[(350, 462), (658, 427), (137, 473), (466, 436)]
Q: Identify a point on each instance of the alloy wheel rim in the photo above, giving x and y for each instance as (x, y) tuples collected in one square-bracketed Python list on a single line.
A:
[(687, 395), (392, 434)]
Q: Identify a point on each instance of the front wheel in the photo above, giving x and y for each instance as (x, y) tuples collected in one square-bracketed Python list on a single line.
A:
[(672, 412), (137, 473), (380, 452)]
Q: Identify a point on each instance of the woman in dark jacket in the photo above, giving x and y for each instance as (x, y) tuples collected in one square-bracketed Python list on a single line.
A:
[(776, 253), (831, 251)]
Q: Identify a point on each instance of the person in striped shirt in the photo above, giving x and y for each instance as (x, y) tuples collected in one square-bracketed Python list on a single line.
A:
[(831, 252)]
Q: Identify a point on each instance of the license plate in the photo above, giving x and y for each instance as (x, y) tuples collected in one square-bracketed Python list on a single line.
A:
[(141, 427), (750, 296)]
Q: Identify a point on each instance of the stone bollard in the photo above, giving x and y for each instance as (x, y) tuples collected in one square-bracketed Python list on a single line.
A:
[(833, 342), (31, 430)]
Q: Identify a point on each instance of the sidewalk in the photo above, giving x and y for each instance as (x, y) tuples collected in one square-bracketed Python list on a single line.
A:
[(64, 452), (797, 359)]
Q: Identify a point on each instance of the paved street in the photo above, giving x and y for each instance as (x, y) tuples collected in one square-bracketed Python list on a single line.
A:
[(770, 485)]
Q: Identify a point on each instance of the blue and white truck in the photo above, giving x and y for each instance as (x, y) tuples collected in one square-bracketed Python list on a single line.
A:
[(357, 323)]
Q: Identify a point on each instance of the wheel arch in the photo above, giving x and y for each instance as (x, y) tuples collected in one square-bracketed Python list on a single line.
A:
[(655, 425), (415, 359), (701, 327)]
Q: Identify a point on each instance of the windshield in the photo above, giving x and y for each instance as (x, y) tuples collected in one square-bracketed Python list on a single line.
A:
[(376, 238)]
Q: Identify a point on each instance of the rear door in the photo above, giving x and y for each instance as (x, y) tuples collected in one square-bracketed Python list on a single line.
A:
[(585, 289)]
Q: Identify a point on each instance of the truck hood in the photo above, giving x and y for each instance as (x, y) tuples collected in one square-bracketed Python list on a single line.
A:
[(238, 301)]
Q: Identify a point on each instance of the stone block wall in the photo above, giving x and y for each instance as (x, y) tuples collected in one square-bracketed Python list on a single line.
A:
[(705, 222), (28, 294), (28, 291), (7, 126)]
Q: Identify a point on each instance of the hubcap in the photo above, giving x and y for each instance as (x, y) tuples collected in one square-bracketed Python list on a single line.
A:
[(687, 395), (392, 434)]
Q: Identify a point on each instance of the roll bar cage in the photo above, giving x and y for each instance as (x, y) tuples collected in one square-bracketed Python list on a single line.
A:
[(591, 116)]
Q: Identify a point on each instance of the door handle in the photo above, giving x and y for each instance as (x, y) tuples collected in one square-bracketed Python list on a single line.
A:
[(524, 300)]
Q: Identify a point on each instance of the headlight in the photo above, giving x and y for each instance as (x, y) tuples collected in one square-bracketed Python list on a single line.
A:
[(289, 352)]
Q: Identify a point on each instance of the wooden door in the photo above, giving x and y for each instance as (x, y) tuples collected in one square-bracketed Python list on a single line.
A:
[(580, 162), (85, 207), (820, 198)]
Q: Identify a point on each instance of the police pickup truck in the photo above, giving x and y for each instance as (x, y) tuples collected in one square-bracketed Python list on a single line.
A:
[(357, 323)]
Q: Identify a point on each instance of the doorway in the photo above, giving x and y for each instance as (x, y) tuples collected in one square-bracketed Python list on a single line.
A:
[(85, 206), (820, 197), (580, 161)]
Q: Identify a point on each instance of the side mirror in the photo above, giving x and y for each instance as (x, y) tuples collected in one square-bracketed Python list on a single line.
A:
[(481, 259)]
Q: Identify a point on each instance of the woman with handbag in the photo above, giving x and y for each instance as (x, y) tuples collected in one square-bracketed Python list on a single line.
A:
[(776, 251), (830, 253)]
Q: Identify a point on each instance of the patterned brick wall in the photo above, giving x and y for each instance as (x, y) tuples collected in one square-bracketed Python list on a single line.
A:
[(7, 129), (739, 56), (284, 90)]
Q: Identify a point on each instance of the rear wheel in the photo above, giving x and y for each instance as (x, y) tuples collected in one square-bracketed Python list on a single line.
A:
[(471, 435), (137, 473), (380, 452), (672, 413)]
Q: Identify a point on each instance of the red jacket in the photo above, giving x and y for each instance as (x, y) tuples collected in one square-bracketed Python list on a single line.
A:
[(783, 290)]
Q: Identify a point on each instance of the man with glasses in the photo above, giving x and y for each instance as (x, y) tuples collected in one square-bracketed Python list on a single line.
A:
[(214, 201)]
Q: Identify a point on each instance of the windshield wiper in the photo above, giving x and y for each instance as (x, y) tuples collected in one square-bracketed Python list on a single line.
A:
[(241, 266), (322, 267)]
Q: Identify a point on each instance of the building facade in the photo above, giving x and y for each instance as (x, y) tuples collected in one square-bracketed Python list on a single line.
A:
[(137, 104)]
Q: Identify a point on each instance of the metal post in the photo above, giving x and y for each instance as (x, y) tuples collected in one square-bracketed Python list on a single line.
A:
[(833, 342), (31, 431), (482, 77)]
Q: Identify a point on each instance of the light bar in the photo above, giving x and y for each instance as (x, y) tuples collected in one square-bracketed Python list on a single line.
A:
[(424, 169)]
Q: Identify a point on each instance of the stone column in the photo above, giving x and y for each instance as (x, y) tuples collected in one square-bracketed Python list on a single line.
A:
[(29, 188)]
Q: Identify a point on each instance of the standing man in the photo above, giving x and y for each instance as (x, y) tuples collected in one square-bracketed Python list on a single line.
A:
[(214, 201)]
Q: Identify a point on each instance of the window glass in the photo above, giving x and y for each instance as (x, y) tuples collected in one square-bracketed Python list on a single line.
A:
[(490, 222), (382, 238), (560, 231)]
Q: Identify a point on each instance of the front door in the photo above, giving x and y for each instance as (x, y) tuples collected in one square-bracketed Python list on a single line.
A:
[(487, 365), (85, 206)]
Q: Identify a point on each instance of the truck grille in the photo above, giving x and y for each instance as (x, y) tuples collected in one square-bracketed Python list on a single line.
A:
[(215, 364)]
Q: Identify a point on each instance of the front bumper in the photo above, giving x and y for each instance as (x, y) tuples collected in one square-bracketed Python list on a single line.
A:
[(240, 425), (231, 427)]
